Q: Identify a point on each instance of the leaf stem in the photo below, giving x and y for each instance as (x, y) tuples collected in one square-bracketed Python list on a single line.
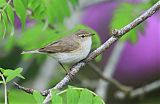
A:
[(5, 88)]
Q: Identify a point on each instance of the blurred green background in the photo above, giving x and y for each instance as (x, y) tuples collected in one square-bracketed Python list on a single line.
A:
[(133, 61)]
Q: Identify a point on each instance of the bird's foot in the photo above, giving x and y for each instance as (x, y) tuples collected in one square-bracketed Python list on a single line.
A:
[(70, 75)]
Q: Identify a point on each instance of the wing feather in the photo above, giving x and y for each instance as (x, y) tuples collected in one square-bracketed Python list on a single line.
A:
[(64, 45)]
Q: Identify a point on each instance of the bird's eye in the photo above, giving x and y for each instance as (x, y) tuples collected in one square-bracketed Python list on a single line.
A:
[(82, 36)]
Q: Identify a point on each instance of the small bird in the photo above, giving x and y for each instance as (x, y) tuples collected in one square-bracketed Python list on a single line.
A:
[(70, 49)]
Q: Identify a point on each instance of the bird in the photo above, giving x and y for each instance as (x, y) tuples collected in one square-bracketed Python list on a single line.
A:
[(70, 49)]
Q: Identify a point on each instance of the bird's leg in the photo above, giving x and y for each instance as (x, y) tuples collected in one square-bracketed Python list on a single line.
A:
[(67, 72), (63, 67)]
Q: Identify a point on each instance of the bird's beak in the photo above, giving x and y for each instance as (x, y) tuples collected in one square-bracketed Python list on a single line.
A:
[(91, 34)]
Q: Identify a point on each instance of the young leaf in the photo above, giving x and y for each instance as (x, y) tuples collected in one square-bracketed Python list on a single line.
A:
[(97, 100), (38, 97), (85, 97), (38, 8), (21, 76), (72, 96), (2, 3), (18, 70), (25, 3), (5, 22), (1, 70), (10, 77), (20, 11), (74, 2), (10, 14), (56, 99), (11, 74), (7, 72)]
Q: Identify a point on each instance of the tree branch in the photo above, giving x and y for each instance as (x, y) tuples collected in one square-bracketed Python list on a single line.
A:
[(139, 91), (30, 90), (112, 81), (116, 34)]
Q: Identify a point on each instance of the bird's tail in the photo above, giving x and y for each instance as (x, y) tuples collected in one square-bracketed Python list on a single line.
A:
[(30, 52)]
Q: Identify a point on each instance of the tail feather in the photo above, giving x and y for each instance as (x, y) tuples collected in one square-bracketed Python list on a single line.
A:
[(30, 52)]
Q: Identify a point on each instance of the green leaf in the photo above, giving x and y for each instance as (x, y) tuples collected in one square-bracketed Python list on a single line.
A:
[(18, 70), (56, 15), (2, 3), (38, 97), (5, 22), (7, 72), (11, 41), (97, 100), (25, 3), (38, 8), (10, 14), (10, 77), (74, 2), (2, 70), (72, 96), (20, 76), (11, 74), (20, 11), (85, 97), (54, 92), (56, 99)]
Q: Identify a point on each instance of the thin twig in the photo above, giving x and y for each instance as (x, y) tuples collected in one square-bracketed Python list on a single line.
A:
[(112, 81), (139, 91), (116, 35), (5, 88), (30, 90)]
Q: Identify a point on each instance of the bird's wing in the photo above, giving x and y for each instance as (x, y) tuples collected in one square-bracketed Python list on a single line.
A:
[(60, 46)]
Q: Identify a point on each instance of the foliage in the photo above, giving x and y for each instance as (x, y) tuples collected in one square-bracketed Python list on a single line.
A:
[(41, 10), (120, 18), (7, 75), (10, 74), (72, 95)]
